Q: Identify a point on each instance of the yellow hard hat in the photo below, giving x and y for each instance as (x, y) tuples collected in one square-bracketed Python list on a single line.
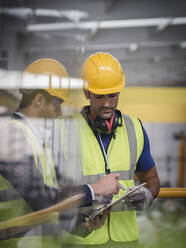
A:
[(50, 67), (102, 74)]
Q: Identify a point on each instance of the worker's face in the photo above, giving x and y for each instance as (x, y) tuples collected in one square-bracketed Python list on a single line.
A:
[(103, 105), (51, 109)]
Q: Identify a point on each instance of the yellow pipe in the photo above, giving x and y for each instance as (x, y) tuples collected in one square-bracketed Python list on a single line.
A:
[(172, 192), (43, 215)]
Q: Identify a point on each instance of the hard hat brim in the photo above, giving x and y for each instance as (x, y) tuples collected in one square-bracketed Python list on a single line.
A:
[(52, 93), (105, 91)]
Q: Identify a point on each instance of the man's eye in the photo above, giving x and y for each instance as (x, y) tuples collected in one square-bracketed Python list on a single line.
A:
[(57, 101), (113, 95), (98, 96)]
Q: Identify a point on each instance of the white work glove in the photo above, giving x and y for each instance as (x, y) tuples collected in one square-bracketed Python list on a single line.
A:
[(139, 200)]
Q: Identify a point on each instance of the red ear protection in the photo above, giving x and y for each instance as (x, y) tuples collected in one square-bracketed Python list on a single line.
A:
[(101, 125), (110, 123), (107, 126)]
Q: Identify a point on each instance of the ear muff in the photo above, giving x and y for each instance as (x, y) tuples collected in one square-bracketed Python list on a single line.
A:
[(101, 125), (106, 126)]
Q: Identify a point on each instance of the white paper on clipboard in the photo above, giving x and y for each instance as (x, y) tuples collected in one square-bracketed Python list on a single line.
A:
[(101, 208)]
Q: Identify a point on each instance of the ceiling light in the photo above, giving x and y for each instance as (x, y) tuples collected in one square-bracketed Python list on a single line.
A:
[(133, 47), (16, 80), (24, 13), (183, 44)]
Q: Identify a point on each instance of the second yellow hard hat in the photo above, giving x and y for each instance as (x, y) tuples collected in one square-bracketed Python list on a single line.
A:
[(52, 68)]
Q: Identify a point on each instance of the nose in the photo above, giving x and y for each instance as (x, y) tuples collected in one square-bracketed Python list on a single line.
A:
[(106, 101), (58, 111), (57, 106)]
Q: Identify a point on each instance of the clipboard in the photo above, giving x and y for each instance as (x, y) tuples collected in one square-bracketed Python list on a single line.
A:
[(101, 208)]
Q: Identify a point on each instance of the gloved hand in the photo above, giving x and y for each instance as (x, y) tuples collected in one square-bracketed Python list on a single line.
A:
[(139, 200), (98, 221)]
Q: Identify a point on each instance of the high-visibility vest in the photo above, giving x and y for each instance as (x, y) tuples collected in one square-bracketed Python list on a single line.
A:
[(11, 208), (124, 152)]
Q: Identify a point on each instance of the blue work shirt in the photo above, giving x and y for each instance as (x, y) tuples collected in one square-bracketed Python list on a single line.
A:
[(145, 161)]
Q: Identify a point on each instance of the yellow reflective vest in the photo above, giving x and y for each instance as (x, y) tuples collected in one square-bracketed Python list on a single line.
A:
[(123, 151), (11, 208)]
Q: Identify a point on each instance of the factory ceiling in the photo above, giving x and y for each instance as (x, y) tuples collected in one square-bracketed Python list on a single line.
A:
[(148, 37)]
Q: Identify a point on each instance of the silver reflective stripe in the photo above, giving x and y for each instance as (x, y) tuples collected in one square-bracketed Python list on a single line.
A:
[(124, 175), (9, 195), (92, 178), (132, 141), (50, 229)]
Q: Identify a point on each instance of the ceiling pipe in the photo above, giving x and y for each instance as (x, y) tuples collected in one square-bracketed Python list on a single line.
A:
[(113, 46), (109, 24)]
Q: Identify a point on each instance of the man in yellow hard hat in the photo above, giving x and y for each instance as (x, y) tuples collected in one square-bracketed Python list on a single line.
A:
[(113, 142), (32, 184)]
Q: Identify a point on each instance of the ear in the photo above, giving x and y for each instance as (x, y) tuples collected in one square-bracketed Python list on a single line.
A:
[(86, 93), (38, 101)]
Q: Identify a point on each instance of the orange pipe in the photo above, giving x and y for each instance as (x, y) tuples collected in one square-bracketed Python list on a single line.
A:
[(172, 192)]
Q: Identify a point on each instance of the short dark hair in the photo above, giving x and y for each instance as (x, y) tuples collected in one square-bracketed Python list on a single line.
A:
[(28, 98)]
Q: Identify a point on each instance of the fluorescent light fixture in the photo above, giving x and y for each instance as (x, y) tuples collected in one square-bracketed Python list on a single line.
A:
[(9, 79), (76, 83), (15, 80), (131, 23), (23, 13), (45, 81), (31, 81)]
